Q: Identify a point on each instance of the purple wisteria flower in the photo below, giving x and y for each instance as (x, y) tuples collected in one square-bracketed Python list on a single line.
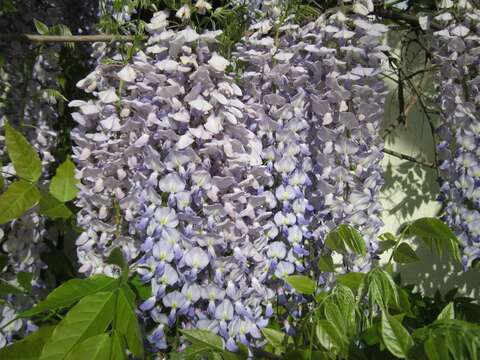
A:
[(455, 50)]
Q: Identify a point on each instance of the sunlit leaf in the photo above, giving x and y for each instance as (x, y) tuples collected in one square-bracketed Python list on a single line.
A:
[(53, 208), (94, 348), (70, 292), (127, 323), (63, 184), (303, 284), (25, 159), (395, 337), (344, 239), (89, 317), (205, 338), (19, 197), (30, 347)]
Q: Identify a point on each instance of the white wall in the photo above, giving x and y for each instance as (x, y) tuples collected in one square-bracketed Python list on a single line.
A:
[(410, 192)]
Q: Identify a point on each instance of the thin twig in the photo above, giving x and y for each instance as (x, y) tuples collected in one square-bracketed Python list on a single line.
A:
[(408, 158), (68, 38), (399, 16)]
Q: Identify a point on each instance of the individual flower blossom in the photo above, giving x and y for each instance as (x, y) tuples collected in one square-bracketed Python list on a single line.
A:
[(203, 6), (183, 13)]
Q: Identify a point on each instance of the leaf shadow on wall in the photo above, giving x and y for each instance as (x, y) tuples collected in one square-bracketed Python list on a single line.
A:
[(433, 272)]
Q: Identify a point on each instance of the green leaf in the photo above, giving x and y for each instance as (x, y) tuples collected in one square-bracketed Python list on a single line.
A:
[(19, 197), (192, 352), (301, 283), (118, 347), (345, 239), (204, 337), (436, 348), (2, 180), (53, 208), (447, 313), (25, 280), (395, 337), (404, 254), (387, 241), (352, 280), (63, 184), (143, 290), (30, 347), (94, 348), (3, 261), (90, 317), (436, 235), (72, 291), (41, 28), (25, 159), (116, 258), (379, 288), (325, 263), (334, 316), (460, 338), (274, 337), (126, 322), (8, 289), (329, 336)]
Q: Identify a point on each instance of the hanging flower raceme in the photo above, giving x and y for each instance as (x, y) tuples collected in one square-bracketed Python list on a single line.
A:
[(277, 104), (316, 100), (344, 56), (455, 52), (168, 167)]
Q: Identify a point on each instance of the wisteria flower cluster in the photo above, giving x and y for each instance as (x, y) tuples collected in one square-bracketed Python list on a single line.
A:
[(456, 52), (210, 189)]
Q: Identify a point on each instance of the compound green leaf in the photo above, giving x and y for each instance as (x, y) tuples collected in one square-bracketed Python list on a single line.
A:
[(94, 348), (30, 347), (72, 291), (90, 317)]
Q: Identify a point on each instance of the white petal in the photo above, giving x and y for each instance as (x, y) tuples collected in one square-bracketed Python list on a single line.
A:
[(127, 74), (218, 62), (201, 105), (108, 96), (142, 140), (184, 141)]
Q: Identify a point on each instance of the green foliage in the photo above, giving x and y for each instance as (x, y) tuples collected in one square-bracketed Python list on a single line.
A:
[(395, 337), (345, 239), (63, 184), (53, 208), (436, 235), (19, 197), (404, 254), (301, 283), (30, 347), (70, 292), (25, 160), (100, 325)]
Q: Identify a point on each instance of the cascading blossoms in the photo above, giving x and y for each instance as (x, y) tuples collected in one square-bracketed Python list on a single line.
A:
[(215, 193), (456, 52)]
